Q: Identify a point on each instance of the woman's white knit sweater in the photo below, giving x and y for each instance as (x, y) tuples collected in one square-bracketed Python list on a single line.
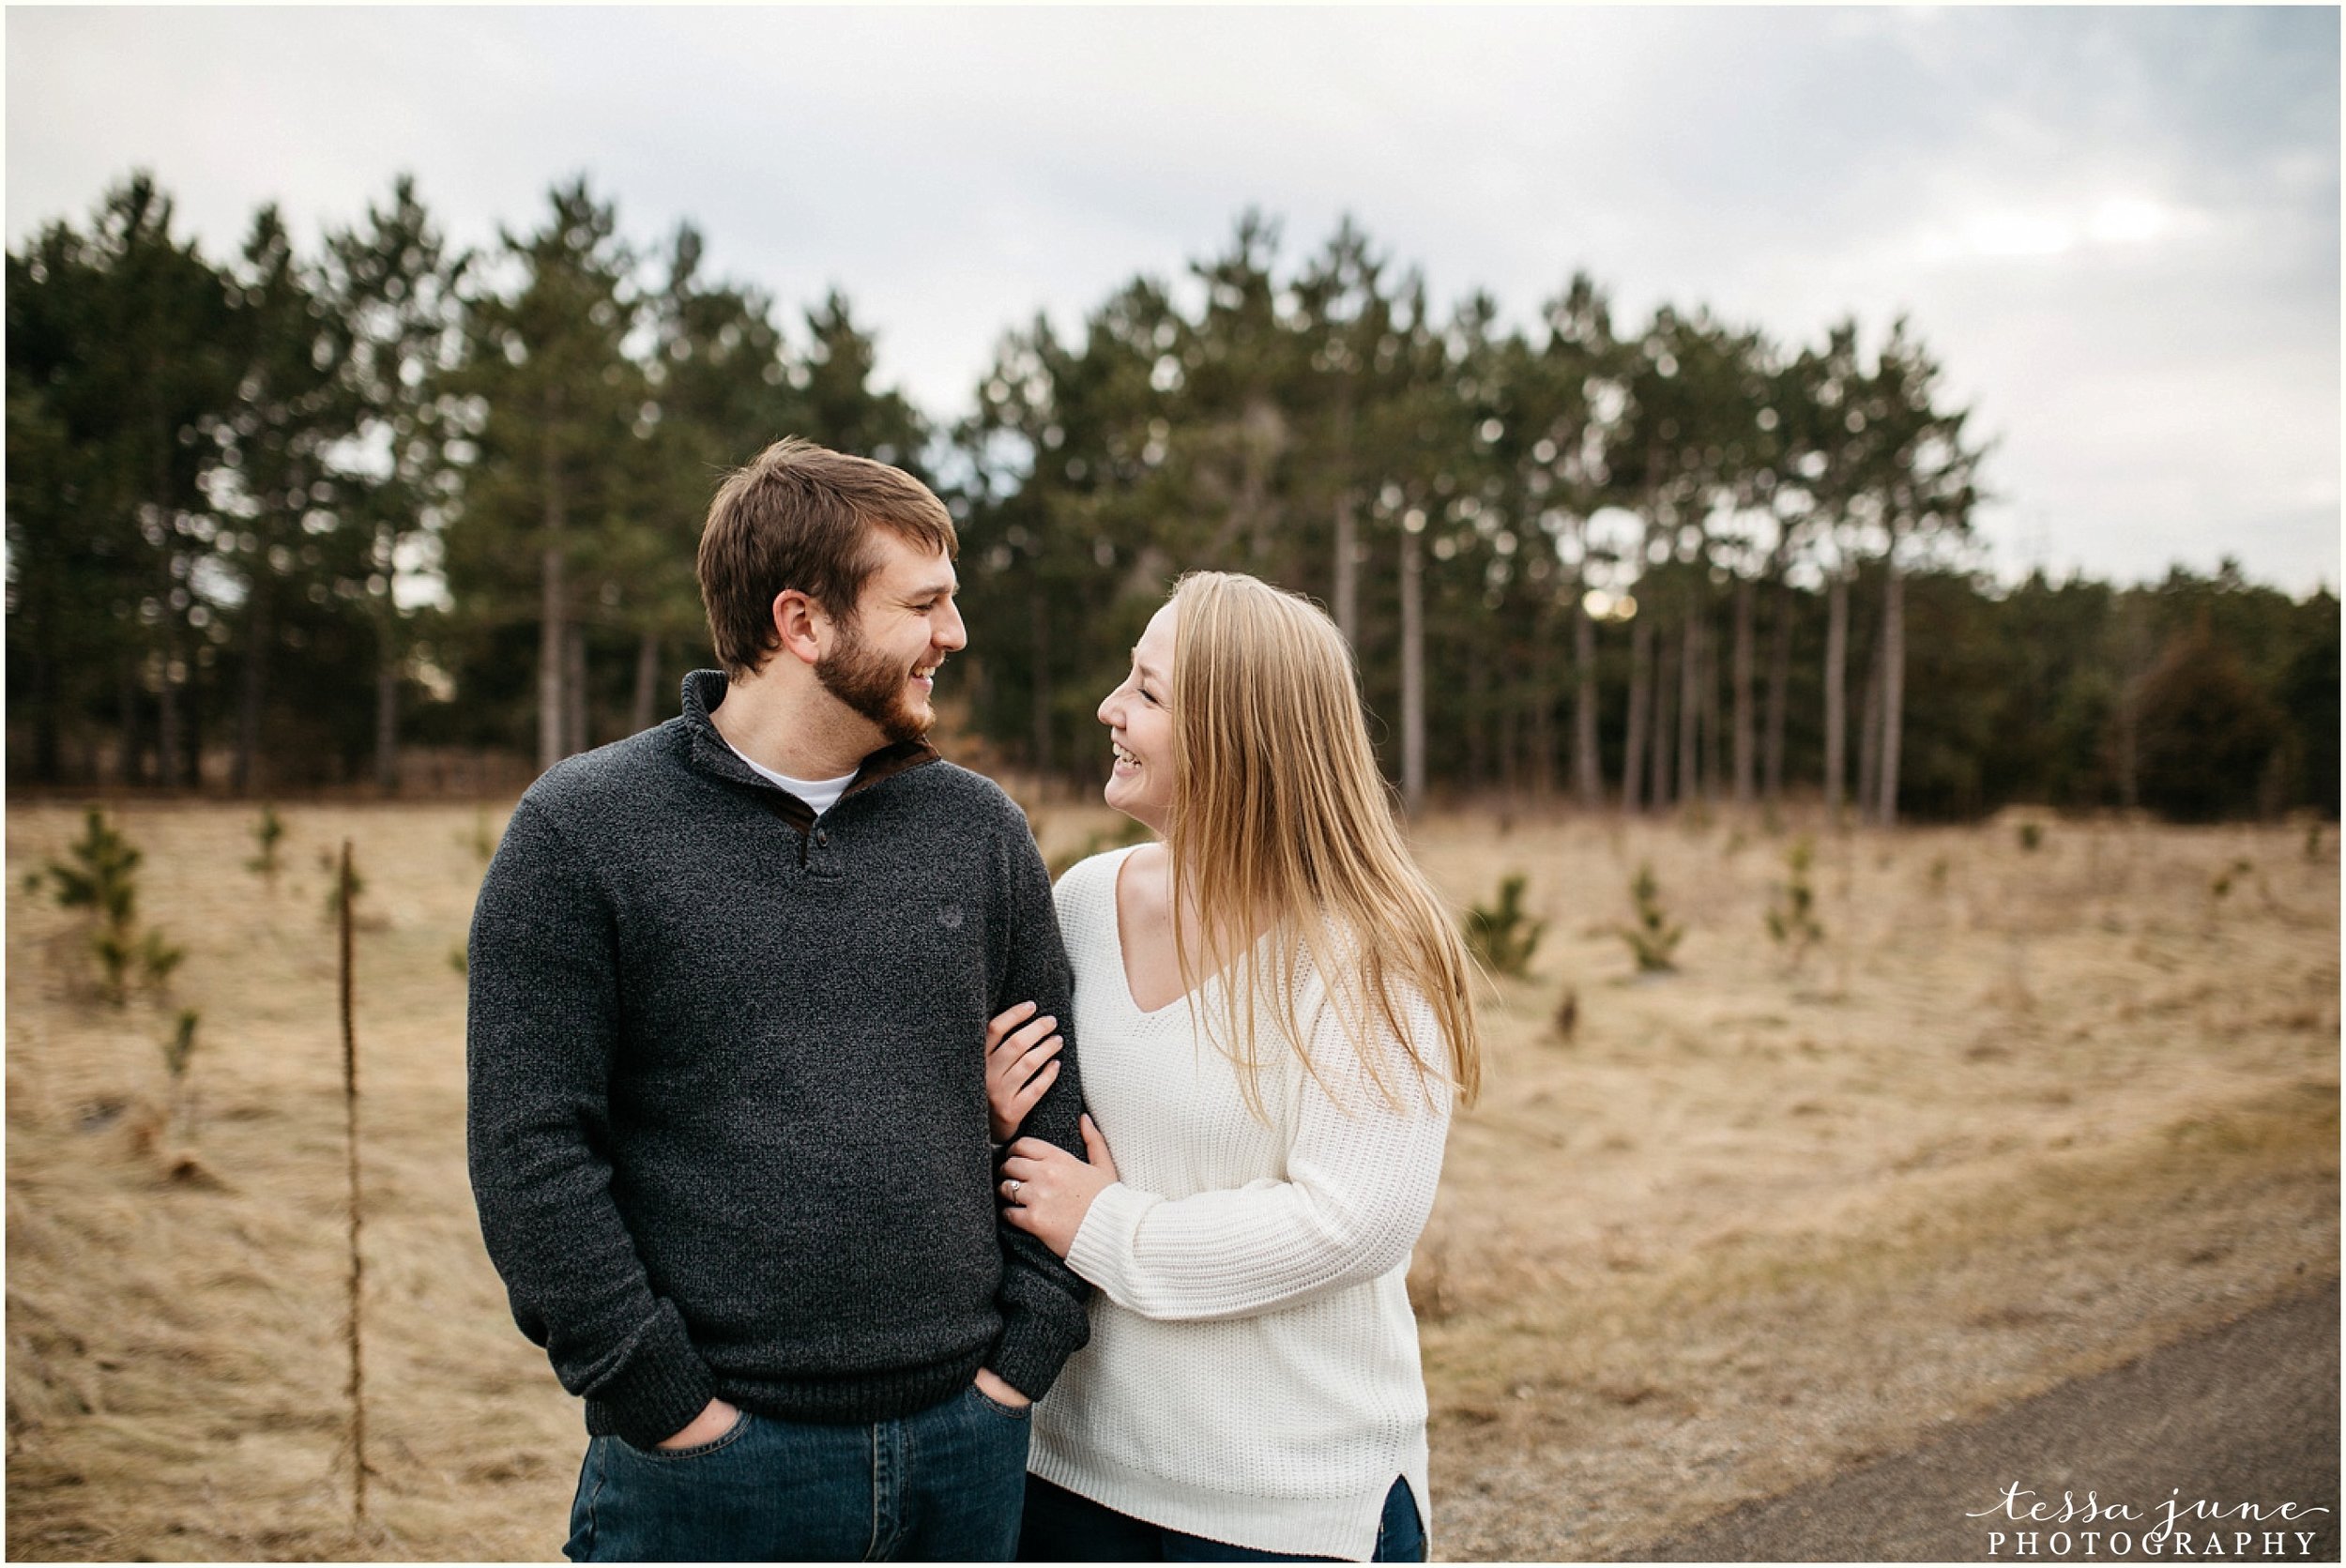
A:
[(1253, 1372)]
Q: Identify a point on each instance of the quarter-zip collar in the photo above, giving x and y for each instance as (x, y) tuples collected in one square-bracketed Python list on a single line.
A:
[(705, 692)]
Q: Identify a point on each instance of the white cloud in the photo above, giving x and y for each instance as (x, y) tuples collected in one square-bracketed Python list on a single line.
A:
[(2075, 204)]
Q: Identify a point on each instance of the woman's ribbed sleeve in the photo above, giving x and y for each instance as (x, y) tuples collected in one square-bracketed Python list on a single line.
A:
[(1360, 1180)]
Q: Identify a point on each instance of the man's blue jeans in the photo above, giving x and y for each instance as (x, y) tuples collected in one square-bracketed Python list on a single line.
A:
[(945, 1484)]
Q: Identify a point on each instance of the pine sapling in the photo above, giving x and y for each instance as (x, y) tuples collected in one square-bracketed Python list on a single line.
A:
[(177, 1052), (1654, 937), (103, 878), (157, 958), (268, 832), (482, 843), (1503, 937), (1792, 904)]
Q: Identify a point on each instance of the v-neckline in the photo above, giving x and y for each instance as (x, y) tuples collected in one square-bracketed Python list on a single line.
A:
[(1123, 969), (1123, 972)]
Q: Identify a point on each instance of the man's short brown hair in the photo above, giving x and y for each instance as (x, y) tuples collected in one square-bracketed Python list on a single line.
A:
[(798, 516)]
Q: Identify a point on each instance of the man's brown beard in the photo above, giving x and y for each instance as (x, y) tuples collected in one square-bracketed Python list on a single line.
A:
[(869, 683)]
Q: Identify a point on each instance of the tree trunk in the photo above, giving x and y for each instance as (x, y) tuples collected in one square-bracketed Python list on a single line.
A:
[(1633, 748), (1038, 623), (1543, 717), (1714, 693), (2128, 798), (167, 723), (1665, 706), (1836, 695), (1412, 676), (1893, 686), (1510, 747), (1869, 739), (1779, 687), (1690, 708), (1347, 587), (48, 754), (1746, 762), (2133, 657), (1586, 762), (552, 630), (574, 738), (191, 736), (1714, 729), (641, 711), (251, 691), (127, 690), (387, 673), (1477, 772)]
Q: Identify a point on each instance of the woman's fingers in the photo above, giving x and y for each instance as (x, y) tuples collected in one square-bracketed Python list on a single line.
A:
[(1036, 1088), (1034, 1056), (1012, 1047), (1003, 1026), (1096, 1146), (1003, 1022)]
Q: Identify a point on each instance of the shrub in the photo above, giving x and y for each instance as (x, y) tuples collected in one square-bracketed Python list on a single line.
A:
[(1654, 939), (1501, 936), (1792, 904), (482, 843), (101, 877), (178, 1050), (269, 830)]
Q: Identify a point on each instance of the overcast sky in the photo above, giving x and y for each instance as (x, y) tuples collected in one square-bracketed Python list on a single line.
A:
[(2117, 228)]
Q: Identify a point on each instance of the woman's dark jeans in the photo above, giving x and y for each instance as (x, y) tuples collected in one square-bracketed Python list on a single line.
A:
[(943, 1484), (1064, 1526)]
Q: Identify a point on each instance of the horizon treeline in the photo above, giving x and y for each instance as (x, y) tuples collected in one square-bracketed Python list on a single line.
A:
[(275, 518)]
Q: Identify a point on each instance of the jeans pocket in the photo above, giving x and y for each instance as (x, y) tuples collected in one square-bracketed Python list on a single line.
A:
[(725, 1440), (1013, 1412)]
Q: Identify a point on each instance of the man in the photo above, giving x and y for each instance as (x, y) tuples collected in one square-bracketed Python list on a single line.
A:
[(729, 986)]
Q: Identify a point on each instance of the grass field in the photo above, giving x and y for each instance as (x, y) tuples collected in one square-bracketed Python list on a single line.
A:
[(2023, 1114)]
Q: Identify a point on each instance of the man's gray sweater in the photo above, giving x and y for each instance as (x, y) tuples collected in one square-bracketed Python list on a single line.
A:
[(726, 1107)]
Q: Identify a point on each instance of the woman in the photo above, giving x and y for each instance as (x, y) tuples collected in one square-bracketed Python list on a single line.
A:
[(1276, 1016)]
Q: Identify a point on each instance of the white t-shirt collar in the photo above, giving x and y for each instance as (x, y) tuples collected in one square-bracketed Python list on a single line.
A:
[(821, 794)]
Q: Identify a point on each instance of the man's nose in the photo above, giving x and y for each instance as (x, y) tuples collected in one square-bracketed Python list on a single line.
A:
[(950, 632)]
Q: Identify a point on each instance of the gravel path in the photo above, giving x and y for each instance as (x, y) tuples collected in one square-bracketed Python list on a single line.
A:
[(2245, 1413)]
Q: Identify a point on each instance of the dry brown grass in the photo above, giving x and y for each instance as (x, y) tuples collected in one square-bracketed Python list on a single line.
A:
[(2017, 1119)]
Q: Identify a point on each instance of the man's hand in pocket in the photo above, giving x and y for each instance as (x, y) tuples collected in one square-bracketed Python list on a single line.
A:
[(999, 1391), (715, 1420)]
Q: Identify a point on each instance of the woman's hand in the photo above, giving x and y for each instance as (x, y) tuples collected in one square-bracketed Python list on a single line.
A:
[(1018, 1067), (1047, 1191)]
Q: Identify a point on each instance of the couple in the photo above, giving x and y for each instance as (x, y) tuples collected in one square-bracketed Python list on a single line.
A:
[(749, 991)]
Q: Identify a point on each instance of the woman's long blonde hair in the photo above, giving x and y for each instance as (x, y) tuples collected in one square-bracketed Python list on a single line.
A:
[(1281, 818)]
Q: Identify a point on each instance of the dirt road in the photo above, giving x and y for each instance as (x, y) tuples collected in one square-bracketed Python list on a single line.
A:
[(2247, 1414)]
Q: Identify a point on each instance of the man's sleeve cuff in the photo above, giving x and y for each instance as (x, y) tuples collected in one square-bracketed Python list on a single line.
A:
[(658, 1386), (1030, 1354)]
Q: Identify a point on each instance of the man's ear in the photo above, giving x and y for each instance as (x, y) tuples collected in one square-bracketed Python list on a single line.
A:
[(799, 622)]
